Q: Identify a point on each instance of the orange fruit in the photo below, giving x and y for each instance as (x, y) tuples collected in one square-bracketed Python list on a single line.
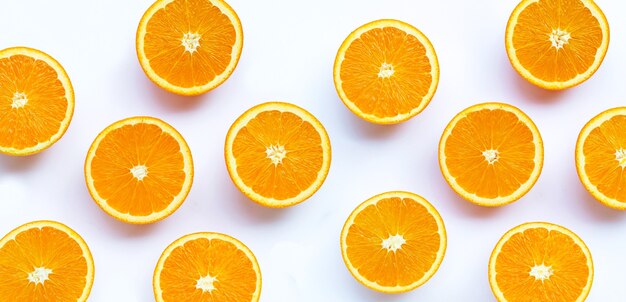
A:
[(277, 154), (386, 71), (207, 267), (540, 261), (36, 101), (601, 157), (45, 261), (391, 231), (189, 47), (139, 170), (557, 44), (491, 154)]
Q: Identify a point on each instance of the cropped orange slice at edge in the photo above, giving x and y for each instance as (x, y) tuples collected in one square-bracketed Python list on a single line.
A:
[(540, 261), (601, 157), (557, 44), (36, 101), (189, 47), (44, 259), (277, 154), (386, 71), (207, 267), (491, 154), (139, 170), (393, 242)]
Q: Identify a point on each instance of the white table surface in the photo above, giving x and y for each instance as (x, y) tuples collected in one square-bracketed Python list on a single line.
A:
[(288, 54)]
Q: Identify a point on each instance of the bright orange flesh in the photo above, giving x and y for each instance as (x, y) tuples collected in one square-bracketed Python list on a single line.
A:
[(231, 266), (516, 264), (36, 101), (485, 130), (557, 44), (133, 144), (283, 130), (373, 223), (45, 245), (386, 71), (600, 157), (189, 46)]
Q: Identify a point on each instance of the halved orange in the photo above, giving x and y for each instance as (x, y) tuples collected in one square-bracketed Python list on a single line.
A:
[(36, 101), (277, 154), (557, 44), (386, 71), (491, 154), (540, 261), (139, 170), (601, 157), (45, 261), (207, 267), (189, 47), (393, 242)]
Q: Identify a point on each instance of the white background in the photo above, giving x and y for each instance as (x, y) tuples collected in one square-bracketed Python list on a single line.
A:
[(288, 54)]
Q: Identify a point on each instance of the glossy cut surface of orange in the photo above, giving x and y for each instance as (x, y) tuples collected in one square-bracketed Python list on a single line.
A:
[(386, 71), (278, 154), (189, 46), (601, 157), (139, 170), (36, 101), (44, 261), (391, 231), (491, 154), (540, 262), (207, 267), (557, 44)]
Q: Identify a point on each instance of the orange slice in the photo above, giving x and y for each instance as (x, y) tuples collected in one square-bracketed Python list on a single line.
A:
[(540, 261), (601, 157), (557, 44), (189, 47), (45, 261), (277, 154), (207, 267), (36, 101), (386, 71), (491, 154), (139, 170), (391, 231)]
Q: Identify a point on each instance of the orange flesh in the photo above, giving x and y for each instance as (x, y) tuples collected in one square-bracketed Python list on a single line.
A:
[(169, 58), (299, 167), (538, 246), (40, 118), (601, 166), (390, 217), (130, 146), (534, 49), (236, 278), (486, 130), (49, 248), (385, 97)]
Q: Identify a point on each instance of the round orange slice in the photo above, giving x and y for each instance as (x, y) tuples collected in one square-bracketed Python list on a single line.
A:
[(386, 71), (189, 47), (540, 261), (277, 154), (491, 154), (36, 101), (393, 242), (139, 170), (207, 267), (557, 44), (601, 157), (45, 261)]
